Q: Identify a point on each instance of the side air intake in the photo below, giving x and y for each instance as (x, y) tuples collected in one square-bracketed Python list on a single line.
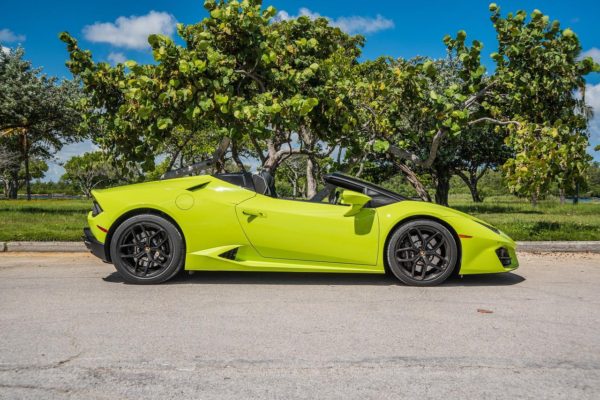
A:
[(229, 255)]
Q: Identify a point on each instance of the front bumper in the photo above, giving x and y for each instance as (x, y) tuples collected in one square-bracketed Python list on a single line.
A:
[(95, 247)]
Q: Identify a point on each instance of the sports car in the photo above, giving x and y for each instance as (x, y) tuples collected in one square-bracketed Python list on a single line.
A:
[(235, 222)]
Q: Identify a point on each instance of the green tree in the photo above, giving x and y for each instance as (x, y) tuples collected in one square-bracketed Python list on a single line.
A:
[(228, 76), (89, 171), (9, 167), (14, 176), (36, 110), (479, 151), (538, 66), (593, 179), (412, 108)]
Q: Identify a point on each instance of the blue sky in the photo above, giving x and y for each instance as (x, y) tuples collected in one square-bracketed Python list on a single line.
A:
[(115, 30)]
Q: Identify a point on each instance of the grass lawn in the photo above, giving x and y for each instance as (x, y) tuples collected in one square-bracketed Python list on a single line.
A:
[(45, 220), (548, 221)]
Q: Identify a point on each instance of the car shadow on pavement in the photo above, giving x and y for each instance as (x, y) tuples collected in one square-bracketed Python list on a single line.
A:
[(283, 278), (502, 279)]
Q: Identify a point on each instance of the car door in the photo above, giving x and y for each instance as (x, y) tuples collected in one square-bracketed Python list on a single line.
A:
[(302, 230)]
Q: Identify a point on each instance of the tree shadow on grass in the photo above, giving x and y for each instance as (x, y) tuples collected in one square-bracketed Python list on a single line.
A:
[(329, 279), (544, 226), (43, 210), (495, 209)]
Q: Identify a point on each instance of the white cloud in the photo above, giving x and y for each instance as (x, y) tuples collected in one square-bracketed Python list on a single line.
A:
[(594, 52), (116, 58), (352, 25), (131, 32), (55, 169), (8, 36)]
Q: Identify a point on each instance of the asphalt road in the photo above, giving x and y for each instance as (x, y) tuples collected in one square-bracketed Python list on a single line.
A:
[(69, 328)]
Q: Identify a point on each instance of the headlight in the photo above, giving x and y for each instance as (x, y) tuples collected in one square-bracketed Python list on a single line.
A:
[(491, 228)]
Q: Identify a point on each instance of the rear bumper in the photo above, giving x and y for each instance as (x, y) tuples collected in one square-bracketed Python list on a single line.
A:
[(95, 247)]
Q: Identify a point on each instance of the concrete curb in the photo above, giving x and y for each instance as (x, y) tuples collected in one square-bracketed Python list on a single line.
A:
[(525, 247), (559, 247), (53, 247)]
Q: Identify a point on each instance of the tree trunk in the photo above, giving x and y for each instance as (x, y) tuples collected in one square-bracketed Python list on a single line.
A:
[(13, 185), (475, 192), (576, 196), (442, 187), (534, 199), (26, 160), (413, 179), (236, 157), (311, 180), (27, 178), (471, 181), (561, 195)]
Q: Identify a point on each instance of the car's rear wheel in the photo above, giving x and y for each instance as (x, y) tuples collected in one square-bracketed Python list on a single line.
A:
[(147, 249), (422, 253)]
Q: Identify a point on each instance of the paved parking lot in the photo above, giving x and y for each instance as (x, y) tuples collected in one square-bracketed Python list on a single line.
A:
[(69, 328)]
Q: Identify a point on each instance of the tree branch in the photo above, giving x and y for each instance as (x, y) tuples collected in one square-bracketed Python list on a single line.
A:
[(483, 171), (254, 77), (478, 95), (258, 150), (410, 156), (494, 121)]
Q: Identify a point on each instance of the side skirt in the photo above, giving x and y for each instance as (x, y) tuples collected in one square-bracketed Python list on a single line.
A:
[(223, 259)]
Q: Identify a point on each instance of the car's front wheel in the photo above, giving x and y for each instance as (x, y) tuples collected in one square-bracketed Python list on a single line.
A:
[(147, 249), (422, 253)]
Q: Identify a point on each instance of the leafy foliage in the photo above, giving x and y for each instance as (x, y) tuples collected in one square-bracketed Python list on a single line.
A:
[(297, 87), (538, 66), (90, 171), (37, 114)]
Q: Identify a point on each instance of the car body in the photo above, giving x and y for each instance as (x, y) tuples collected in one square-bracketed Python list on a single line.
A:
[(228, 223)]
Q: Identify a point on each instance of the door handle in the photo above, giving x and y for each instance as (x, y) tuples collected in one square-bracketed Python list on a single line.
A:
[(253, 213)]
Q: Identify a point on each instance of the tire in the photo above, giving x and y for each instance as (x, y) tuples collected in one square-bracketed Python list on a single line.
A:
[(147, 249), (422, 253)]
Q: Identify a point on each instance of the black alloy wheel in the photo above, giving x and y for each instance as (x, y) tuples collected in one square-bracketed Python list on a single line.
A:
[(422, 253), (147, 249)]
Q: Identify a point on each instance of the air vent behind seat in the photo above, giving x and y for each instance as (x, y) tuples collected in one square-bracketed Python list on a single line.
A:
[(197, 187)]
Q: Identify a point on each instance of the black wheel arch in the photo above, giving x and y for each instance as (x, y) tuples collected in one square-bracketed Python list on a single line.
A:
[(431, 218), (133, 213)]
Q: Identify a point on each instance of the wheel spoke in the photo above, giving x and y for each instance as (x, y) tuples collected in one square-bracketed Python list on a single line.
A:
[(414, 266), (146, 267), (430, 238), (156, 246), (437, 245), (136, 255), (421, 241), (407, 259), (434, 266), (155, 233)]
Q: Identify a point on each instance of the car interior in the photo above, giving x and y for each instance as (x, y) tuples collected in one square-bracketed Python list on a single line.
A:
[(335, 183)]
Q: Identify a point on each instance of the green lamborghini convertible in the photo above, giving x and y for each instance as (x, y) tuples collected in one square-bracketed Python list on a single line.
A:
[(236, 222)]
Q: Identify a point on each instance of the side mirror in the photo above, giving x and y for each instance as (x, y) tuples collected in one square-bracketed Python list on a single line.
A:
[(355, 200)]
